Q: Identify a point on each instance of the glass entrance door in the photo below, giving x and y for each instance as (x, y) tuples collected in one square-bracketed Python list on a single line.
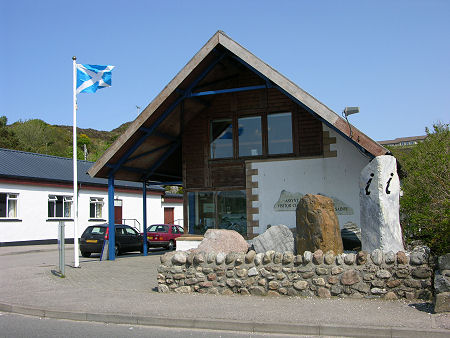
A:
[(217, 210)]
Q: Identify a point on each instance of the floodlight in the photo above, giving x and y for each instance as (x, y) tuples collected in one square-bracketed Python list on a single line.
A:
[(351, 110)]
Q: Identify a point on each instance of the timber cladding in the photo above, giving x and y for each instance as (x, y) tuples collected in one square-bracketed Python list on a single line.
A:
[(203, 173)]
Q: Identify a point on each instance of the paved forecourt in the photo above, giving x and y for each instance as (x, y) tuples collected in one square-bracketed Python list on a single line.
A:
[(124, 291)]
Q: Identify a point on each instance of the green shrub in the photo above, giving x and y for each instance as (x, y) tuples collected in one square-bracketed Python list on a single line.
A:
[(425, 205)]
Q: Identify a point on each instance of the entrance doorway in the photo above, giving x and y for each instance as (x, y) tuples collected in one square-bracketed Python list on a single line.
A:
[(169, 216), (217, 210), (118, 211)]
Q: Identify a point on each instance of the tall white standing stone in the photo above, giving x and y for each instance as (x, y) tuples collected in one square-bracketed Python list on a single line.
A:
[(379, 200)]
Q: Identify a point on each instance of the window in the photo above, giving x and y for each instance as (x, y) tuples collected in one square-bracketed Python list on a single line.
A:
[(262, 135), (130, 232), (221, 138), (59, 206), (279, 132), (218, 210), (8, 205), (250, 136), (96, 207)]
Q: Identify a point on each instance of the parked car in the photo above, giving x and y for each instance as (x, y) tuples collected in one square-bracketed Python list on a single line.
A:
[(127, 239), (163, 235)]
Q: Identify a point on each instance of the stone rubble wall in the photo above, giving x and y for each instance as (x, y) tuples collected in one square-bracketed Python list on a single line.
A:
[(442, 284), (375, 275)]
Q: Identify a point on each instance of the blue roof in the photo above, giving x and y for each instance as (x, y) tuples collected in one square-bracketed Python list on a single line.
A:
[(25, 165)]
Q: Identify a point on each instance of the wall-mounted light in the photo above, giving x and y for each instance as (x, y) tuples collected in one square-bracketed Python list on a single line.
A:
[(350, 111)]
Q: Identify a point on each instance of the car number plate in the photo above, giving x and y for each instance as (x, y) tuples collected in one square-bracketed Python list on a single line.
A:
[(91, 241), (150, 237)]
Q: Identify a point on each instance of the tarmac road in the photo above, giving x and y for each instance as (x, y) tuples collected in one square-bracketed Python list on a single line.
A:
[(123, 291)]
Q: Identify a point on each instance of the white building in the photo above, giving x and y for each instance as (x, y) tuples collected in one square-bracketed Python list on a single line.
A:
[(36, 192)]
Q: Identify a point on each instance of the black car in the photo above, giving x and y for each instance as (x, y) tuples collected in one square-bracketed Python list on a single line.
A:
[(127, 239)]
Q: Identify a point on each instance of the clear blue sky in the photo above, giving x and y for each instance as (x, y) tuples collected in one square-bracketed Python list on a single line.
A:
[(391, 58)]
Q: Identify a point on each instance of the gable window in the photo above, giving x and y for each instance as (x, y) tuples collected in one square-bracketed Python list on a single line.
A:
[(96, 207), (279, 133), (59, 206), (250, 136), (221, 138), (8, 205)]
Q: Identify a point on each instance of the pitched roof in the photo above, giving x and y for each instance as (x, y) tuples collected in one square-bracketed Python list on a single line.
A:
[(25, 165), (146, 142), (403, 139)]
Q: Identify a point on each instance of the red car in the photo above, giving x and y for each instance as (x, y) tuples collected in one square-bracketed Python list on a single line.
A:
[(163, 235)]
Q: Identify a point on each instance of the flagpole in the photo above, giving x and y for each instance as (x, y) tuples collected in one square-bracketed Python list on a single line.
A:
[(75, 172)]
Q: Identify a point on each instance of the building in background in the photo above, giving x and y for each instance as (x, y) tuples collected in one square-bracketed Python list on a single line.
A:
[(36, 192), (403, 141)]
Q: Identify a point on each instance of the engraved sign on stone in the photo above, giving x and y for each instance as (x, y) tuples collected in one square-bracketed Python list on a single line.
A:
[(340, 207), (288, 201)]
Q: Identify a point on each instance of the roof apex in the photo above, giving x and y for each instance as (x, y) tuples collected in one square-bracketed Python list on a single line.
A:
[(317, 108)]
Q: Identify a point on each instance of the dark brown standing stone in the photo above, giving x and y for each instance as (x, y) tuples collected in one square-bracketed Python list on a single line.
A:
[(317, 225), (350, 277)]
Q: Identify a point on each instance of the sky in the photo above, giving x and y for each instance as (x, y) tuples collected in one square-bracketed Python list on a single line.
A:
[(390, 58)]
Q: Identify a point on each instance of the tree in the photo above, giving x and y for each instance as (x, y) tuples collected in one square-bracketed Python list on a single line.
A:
[(8, 138), (425, 204)]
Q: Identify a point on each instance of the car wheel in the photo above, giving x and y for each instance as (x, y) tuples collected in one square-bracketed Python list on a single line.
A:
[(116, 250), (85, 254), (171, 245)]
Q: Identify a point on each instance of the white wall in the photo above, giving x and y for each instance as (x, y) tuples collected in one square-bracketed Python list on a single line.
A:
[(335, 176), (33, 223)]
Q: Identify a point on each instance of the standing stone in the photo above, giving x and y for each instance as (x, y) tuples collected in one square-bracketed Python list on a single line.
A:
[(277, 238), (220, 240), (379, 191), (317, 225)]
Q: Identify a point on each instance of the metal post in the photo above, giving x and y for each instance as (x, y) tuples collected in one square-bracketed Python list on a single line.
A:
[(144, 214), (111, 226), (76, 246), (61, 240)]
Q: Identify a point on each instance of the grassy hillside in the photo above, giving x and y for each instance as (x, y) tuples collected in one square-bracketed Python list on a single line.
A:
[(40, 137)]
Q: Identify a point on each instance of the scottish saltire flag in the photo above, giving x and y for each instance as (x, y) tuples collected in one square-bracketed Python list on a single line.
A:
[(93, 77)]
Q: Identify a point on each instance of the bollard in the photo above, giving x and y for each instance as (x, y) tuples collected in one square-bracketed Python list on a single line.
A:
[(61, 240)]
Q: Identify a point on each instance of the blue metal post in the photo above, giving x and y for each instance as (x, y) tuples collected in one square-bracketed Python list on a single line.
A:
[(111, 226), (144, 212), (191, 206)]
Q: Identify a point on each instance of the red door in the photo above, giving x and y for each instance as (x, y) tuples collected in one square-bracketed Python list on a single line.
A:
[(118, 212), (169, 215)]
